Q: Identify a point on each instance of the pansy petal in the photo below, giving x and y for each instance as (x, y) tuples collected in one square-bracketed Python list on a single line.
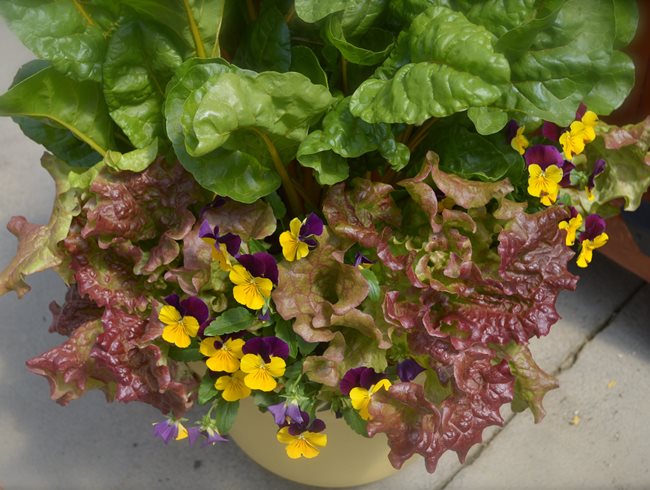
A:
[(276, 367), (289, 244), (196, 307), (190, 325), (313, 225), (209, 345), (294, 225), (169, 315), (239, 275)]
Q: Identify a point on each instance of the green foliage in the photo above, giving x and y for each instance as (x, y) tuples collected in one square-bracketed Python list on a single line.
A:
[(207, 391), (231, 321), (225, 415)]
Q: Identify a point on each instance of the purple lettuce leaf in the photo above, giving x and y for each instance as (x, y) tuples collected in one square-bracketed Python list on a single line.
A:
[(318, 289), (77, 310), (38, 245), (364, 212), (194, 274), (248, 221)]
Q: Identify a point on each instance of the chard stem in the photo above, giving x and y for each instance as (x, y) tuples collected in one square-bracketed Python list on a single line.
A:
[(194, 29), (83, 12), (287, 184)]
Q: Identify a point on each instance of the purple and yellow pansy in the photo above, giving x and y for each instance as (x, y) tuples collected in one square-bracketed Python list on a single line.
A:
[(183, 319), (299, 239)]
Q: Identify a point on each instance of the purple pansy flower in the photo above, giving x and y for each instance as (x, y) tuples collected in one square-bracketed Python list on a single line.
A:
[(305, 425), (267, 347), (260, 264), (580, 112), (283, 410), (594, 226), (511, 130), (408, 369), (363, 377), (231, 241), (599, 168), (313, 226), (547, 155), (192, 306), (167, 430), (211, 436), (551, 131), (217, 202), (361, 260)]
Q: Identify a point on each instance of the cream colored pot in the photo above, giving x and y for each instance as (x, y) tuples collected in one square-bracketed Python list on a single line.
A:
[(348, 459)]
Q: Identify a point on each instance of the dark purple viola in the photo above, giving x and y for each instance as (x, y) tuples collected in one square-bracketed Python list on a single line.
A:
[(231, 241), (286, 410), (260, 264), (313, 226), (363, 377), (599, 168), (361, 260), (217, 202), (266, 347), (580, 112), (306, 425), (192, 306), (551, 131), (511, 130), (408, 369), (594, 226)]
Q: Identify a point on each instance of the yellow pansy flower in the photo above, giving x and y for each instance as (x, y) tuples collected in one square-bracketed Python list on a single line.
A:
[(571, 228), (224, 358), (361, 397), (250, 291), (292, 247), (178, 329), (587, 248), (233, 387), (544, 183), (306, 444), (520, 142), (260, 375)]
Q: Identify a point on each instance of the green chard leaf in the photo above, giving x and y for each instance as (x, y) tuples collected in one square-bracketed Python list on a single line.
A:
[(451, 65), (315, 10), (346, 136), (215, 110), (231, 321), (133, 161), (70, 34), (360, 15), (369, 49), (140, 60), (303, 60), (267, 45), (67, 104)]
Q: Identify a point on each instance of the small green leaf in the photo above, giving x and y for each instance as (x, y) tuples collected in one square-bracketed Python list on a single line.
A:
[(488, 120), (303, 60), (187, 354), (133, 161), (354, 421), (315, 10), (374, 292), (360, 15), (231, 321), (284, 331), (207, 391), (434, 390), (225, 414), (371, 49)]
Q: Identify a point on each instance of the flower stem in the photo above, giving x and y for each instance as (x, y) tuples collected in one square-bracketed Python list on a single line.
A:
[(194, 29), (287, 184)]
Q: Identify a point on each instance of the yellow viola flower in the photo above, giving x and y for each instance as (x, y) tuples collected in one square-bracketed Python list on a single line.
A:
[(260, 375), (233, 387), (292, 247), (571, 227), (300, 238), (544, 183), (519, 142), (573, 141), (588, 247), (306, 444), (223, 356), (178, 329), (250, 291), (361, 397), (589, 120)]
